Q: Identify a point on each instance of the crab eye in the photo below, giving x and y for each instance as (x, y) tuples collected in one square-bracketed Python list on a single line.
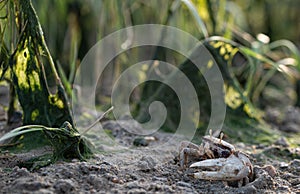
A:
[(224, 154)]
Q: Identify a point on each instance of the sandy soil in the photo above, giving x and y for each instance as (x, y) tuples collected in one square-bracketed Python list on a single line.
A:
[(151, 167)]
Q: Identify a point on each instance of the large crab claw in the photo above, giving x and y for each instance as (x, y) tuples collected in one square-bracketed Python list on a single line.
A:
[(234, 168)]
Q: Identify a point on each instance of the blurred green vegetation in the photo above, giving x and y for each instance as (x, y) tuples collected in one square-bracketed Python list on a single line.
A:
[(94, 19), (28, 67), (245, 37)]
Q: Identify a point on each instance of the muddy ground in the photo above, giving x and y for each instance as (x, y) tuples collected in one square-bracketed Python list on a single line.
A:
[(134, 165)]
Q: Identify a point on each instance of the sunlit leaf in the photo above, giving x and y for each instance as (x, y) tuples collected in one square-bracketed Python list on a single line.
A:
[(232, 97)]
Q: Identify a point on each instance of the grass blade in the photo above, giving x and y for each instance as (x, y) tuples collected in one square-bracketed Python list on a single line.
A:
[(20, 131), (197, 17)]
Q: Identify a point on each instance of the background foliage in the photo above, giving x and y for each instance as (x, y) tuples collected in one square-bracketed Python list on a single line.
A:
[(254, 42)]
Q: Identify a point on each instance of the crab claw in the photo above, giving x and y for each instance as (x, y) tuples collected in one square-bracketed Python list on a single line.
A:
[(226, 169)]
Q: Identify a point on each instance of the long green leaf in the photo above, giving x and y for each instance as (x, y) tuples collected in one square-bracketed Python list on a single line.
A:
[(18, 132), (197, 17)]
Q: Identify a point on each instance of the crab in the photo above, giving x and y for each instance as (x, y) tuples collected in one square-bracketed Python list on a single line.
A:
[(217, 160)]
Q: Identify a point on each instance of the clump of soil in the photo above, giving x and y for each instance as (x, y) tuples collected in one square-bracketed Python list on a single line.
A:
[(150, 167)]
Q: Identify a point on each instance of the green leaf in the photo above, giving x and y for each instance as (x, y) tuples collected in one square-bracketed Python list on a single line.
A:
[(197, 17)]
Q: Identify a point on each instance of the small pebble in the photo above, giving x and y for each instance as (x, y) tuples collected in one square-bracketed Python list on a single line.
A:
[(283, 165), (183, 184), (295, 163), (18, 172), (271, 170), (131, 185), (140, 141), (64, 186), (117, 180), (146, 163), (143, 166)]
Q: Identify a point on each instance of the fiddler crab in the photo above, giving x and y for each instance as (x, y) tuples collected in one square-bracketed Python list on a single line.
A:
[(218, 160)]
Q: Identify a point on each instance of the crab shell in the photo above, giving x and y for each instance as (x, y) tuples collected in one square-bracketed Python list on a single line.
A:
[(219, 148), (210, 148)]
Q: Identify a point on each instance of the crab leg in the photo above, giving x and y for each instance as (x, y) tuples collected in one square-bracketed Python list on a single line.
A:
[(185, 153), (219, 141), (187, 149)]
